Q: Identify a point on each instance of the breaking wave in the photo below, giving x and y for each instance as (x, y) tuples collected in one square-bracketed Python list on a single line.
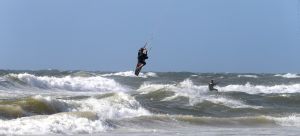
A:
[(69, 115), (256, 89), (288, 75), (131, 74), (111, 105), (36, 105), (63, 123), (96, 83), (248, 76)]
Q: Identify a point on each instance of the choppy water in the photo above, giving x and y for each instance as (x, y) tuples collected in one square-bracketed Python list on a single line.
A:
[(169, 103)]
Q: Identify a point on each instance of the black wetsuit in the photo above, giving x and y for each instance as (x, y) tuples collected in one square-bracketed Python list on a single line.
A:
[(211, 87), (142, 57)]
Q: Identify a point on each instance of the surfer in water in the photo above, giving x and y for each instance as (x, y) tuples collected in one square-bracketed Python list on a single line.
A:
[(211, 86), (142, 56)]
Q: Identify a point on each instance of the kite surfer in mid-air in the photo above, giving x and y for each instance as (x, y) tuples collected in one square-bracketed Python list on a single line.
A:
[(142, 56)]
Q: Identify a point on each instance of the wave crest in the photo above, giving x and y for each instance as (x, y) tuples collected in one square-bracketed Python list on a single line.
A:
[(248, 76), (288, 75), (131, 74), (96, 83), (256, 89)]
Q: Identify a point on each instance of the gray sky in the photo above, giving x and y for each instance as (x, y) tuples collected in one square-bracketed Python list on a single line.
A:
[(194, 35)]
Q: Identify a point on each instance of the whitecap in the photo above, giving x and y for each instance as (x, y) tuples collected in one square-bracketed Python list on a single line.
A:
[(131, 74), (288, 75)]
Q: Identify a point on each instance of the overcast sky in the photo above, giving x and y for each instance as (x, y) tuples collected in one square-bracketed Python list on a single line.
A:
[(193, 35)]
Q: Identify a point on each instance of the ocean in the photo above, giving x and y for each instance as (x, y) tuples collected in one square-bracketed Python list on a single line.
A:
[(53, 102)]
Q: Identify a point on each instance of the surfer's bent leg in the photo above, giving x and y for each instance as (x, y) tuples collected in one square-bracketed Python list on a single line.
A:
[(143, 63)]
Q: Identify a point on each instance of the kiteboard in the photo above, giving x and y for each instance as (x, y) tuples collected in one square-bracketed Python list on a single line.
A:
[(138, 69)]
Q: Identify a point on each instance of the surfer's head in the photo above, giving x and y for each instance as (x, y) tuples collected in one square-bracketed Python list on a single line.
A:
[(142, 49)]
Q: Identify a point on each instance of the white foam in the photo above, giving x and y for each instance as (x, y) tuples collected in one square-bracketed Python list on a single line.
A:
[(85, 116), (288, 75), (248, 76), (147, 87), (292, 120), (255, 89), (117, 106), (131, 74), (53, 124), (2, 79), (96, 83)]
